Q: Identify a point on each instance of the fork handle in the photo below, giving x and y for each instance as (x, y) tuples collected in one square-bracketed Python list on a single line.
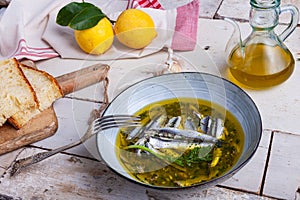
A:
[(25, 162)]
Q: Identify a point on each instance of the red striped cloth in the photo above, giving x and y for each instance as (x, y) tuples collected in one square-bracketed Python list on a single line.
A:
[(22, 26), (144, 4), (33, 53)]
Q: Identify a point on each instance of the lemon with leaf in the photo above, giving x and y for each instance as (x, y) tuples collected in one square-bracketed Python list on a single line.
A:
[(135, 28), (95, 40), (93, 30)]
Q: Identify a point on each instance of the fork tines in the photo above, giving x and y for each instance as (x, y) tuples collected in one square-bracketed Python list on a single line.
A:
[(113, 121)]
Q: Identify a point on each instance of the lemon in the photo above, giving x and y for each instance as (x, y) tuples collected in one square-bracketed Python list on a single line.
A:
[(135, 28), (96, 40)]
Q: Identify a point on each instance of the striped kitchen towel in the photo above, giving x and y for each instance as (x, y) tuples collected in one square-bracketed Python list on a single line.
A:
[(144, 4), (22, 25)]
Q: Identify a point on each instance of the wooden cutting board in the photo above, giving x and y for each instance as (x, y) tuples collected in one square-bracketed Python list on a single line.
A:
[(45, 124)]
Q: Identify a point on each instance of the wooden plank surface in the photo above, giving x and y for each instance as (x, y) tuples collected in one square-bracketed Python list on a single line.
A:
[(283, 175), (239, 9), (2, 171), (209, 8), (72, 117), (297, 195), (71, 177), (7, 159)]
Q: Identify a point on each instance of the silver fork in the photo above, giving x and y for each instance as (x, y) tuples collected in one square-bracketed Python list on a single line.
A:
[(99, 124)]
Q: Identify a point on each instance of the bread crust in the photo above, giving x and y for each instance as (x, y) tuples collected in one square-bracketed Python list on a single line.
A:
[(50, 77), (13, 74), (27, 82), (44, 89)]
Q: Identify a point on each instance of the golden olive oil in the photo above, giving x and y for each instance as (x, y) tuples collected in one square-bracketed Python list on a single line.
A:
[(260, 65), (153, 171)]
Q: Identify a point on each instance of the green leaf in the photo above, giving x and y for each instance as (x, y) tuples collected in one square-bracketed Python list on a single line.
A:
[(66, 14), (79, 16), (87, 18)]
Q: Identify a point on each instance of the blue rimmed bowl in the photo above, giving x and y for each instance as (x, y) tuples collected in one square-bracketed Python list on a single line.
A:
[(184, 85)]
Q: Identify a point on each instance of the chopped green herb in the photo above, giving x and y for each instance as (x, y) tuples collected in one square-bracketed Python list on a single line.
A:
[(193, 156)]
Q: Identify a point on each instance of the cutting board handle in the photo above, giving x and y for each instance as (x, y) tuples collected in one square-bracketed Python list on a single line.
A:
[(82, 78)]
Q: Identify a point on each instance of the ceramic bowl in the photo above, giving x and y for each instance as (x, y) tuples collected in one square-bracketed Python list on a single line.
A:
[(188, 84)]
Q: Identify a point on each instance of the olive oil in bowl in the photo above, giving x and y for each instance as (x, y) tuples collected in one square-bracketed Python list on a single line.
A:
[(192, 164)]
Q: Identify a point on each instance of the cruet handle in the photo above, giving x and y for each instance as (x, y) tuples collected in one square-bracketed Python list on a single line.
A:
[(235, 38), (294, 20)]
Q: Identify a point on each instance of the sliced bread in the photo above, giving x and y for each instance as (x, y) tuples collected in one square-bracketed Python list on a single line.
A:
[(45, 86), (46, 89), (16, 93)]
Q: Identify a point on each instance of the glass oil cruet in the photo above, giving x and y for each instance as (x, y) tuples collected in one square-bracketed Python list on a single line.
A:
[(262, 60)]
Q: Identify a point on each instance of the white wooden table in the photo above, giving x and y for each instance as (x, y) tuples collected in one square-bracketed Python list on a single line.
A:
[(79, 173)]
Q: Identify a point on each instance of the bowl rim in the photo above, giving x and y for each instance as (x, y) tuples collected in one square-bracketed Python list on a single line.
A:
[(205, 184)]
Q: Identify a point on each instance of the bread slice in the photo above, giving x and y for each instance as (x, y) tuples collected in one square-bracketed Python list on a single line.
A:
[(46, 89), (45, 86), (16, 93)]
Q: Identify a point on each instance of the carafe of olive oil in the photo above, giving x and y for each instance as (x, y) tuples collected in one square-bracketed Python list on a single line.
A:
[(262, 60)]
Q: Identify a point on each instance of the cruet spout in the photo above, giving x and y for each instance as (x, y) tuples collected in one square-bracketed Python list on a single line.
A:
[(235, 41)]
